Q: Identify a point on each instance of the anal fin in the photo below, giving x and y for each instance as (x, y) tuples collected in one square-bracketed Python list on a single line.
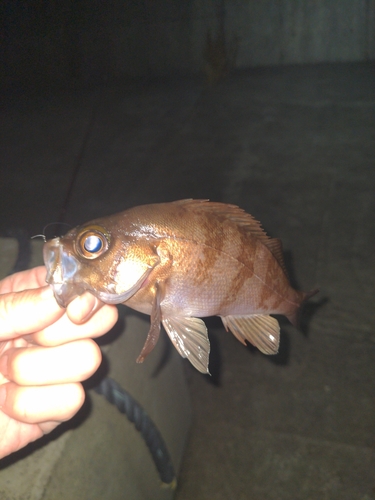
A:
[(189, 336), (261, 330)]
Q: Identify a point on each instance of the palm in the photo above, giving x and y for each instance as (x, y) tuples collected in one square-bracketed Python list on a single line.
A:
[(16, 435)]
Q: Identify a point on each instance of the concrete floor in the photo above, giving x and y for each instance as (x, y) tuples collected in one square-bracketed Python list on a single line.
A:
[(295, 147)]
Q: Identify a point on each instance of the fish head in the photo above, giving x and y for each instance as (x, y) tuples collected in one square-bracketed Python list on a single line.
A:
[(98, 258)]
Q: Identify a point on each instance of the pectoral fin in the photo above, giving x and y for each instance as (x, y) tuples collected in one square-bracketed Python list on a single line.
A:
[(154, 331), (262, 331), (189, 336)]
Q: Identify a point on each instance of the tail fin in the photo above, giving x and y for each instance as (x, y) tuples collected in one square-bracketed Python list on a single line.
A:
[(294, 316)]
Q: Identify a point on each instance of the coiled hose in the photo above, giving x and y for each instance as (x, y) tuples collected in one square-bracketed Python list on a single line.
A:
[(125, 403)]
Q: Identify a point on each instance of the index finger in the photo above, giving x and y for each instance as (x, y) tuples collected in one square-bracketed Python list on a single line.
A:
[(64, 330), (26, 312), (31, 278)]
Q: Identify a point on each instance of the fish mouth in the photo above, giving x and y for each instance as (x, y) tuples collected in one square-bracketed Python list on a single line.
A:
[(62, 270), (64, 293), (63, 275)]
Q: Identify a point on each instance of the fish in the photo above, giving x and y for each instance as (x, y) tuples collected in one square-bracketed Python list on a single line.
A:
[(179, 262)]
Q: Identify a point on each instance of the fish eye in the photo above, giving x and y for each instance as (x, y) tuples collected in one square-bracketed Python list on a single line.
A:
[(91, 244)]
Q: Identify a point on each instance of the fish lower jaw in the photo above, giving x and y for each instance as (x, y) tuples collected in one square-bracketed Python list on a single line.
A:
[(58, 292), (64, 293), (57, 289)]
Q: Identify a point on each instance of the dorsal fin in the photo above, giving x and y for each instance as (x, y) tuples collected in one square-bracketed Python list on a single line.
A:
[(242, 219), (276, 247), (230, 212)]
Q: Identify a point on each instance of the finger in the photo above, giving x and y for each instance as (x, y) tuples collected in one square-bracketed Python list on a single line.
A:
[(63, 364), (65, 331), (31, 278), (83, 307), (27, 311), (41, 404)]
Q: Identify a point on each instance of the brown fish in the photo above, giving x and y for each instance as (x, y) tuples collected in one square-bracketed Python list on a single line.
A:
[(179, 262)]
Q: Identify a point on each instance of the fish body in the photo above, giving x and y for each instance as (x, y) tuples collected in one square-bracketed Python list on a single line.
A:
[(179, 262)]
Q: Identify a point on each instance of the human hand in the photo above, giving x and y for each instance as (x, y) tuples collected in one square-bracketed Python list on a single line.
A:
[(45, 351)]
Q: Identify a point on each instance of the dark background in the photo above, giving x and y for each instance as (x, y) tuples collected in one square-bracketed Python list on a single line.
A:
[(269, 105)]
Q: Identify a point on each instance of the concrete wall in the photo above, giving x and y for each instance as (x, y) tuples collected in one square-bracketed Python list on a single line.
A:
[(91, 39), (294, 31)]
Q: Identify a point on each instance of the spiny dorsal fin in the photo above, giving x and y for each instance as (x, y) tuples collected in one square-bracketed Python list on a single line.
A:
[(230, 212), (242, 219)]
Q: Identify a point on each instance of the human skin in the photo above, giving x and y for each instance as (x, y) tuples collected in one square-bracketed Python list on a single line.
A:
[(45, 352)]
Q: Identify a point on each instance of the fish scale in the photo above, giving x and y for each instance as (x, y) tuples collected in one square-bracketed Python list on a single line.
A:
[(179, 262)]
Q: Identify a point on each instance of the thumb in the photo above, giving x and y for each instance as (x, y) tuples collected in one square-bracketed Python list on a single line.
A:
[(28, 311)]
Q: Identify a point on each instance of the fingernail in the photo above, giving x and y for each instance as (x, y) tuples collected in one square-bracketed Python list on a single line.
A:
[(3, 395), (92, 304), (4, 365), (83, 307)]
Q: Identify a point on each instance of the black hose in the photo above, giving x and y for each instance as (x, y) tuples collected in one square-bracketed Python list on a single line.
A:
[(125, 403)]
